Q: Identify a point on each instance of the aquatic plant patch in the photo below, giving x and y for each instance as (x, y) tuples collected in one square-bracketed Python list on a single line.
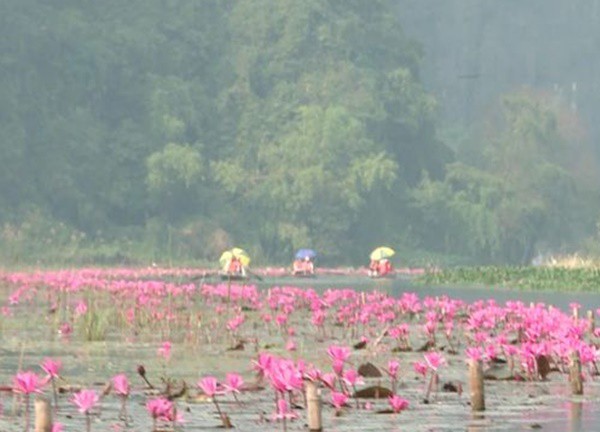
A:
[(131, 350), (526, 278)]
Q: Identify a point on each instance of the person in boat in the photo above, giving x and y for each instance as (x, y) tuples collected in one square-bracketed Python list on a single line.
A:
[(235, 267), (303, 267), (380, 268), (373, 268), (309, 265), (385, 267), (297, 266)]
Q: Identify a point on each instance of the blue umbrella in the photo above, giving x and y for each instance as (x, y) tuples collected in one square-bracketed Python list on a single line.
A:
[(306, 253)]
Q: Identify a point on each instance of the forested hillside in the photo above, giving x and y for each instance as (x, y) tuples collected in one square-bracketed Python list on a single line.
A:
[(477, 49), (171, 129), (476, 53)]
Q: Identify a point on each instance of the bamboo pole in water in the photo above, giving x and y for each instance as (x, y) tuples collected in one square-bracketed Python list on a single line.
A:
[(43, 415), (313, 400), (575, 374), (592, 321), (15, 395), (476, 388)]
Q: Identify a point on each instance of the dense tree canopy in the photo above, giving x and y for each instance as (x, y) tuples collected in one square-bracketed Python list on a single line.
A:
[(520, 194), (179, 127)]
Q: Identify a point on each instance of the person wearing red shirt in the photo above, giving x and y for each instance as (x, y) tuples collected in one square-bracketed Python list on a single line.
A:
[(235, 267)]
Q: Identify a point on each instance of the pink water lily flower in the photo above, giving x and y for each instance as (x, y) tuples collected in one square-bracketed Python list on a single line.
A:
[(398, 403), (58, 427), (122, 389), (165, 350), (285, 376), (312, 374), (393, 368), (420, 368), (51, 367), (338, 400), (434, 360), (27, 382), (233, 383), (290, 345), (81, 308), (85, 400), (328, 379), (121, 385), (474, 353), (338, 367), (173, 415), (352, 378), (208, 385), (262, 364), (159, 408), (338, 353), (283, 411), (234, 323)]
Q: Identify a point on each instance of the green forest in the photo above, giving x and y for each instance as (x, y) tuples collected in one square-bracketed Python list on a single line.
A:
[(168, 130)]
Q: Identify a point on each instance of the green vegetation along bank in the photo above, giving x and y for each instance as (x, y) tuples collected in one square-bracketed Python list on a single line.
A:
[(524, 278)]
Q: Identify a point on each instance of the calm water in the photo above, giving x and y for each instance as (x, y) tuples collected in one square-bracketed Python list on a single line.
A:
[(588, 301), (395, 287)]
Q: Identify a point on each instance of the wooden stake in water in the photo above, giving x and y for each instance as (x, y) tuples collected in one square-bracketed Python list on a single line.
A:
[(228, 295), (476, 389), (15, 395), (592, 321), (43, 415), (313, 401), (575, 374)]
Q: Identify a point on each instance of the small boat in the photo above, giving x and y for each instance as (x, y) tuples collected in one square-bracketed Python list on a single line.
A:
[(303, 265), (234, 263), (304, 275), (381, 267), (233, 277), (391, 275)]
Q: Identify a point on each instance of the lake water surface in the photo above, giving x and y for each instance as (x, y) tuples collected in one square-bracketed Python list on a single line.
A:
[(511, 406)]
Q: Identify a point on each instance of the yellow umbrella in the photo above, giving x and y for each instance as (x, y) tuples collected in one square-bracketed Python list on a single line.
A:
[(382, 252), (240, 254), (225, 258)]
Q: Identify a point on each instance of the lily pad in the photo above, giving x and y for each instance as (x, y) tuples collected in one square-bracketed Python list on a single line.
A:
[(500, 372), (374, 392), (359, 345), (369, 370)]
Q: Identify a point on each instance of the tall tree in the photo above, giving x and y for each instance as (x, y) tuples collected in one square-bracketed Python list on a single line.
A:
[(350, 64)]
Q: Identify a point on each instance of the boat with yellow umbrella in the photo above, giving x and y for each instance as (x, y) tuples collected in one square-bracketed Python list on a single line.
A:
[(381, 266), (234, 264)]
